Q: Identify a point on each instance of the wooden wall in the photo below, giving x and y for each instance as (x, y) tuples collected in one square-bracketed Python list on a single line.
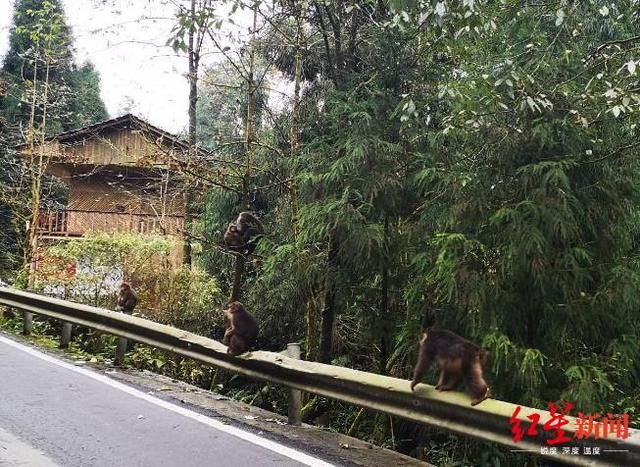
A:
[(117, 147), (77, 223), (95, 193)]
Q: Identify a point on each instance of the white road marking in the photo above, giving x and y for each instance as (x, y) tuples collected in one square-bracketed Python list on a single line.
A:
[(245, 435), (15, 453)]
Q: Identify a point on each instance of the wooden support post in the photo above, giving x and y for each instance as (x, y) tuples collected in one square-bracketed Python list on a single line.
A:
[(65, 337), (27, 323), (120, 351), (295, 396)]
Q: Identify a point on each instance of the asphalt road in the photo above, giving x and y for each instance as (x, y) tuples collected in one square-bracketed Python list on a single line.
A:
[(53, 413)]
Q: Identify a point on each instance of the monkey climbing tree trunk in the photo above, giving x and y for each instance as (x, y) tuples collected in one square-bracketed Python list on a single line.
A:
[(329, 308)]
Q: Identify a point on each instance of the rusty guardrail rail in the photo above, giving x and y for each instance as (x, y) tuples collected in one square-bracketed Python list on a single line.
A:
[(450, 411)]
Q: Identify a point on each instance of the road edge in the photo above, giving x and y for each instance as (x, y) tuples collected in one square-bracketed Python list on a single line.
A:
[(326, 445)]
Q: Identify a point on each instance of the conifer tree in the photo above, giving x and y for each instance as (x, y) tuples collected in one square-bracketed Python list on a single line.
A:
[(73, 91), (43, 93)]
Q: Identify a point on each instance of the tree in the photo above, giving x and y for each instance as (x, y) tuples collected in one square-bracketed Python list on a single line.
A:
[(189, 35), (488, 170), (27, 24), (222, 109), (45, 94), (348, 187), (530, 191), (87, 107), (231, 166), (73, 92)]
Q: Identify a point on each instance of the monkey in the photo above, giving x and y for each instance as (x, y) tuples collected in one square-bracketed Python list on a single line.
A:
[(243, 235), (249, 222), (460, 361), (241, 329), (232, 237), (127, 299)]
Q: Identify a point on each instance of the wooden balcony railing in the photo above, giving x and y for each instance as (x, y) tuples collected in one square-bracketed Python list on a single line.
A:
[(75, 223), (53, 222)]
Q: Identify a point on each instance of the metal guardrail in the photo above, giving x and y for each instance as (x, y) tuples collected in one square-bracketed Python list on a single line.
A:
[(450, 411)]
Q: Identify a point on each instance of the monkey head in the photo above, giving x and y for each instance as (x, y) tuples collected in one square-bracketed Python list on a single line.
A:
[(243, 221), (232, 236), (248, 221), (233, 307), (124, 286)]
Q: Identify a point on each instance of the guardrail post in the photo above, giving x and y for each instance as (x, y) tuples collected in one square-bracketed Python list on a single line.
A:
[(295, 395), (65, 337), (27, 323), (120, 351)]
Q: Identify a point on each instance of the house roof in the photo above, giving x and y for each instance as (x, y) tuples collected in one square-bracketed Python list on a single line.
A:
[(124, 121)]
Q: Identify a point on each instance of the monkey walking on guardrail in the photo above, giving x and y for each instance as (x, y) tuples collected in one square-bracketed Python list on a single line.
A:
[(241, 329), (460, 361)]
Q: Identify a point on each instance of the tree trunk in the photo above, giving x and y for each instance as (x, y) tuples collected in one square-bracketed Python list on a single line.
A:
[(249, 125), (37, 171), (194, 59), (329, 308), (249, 139), (385, 321), (311, 344), (295, 121), (386, 324), (236, 292)]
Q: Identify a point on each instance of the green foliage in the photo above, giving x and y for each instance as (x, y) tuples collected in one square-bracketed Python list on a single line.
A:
[(41, 46), (86, 107), (222, 108), (37, 23), (89, 271), (476, 156)]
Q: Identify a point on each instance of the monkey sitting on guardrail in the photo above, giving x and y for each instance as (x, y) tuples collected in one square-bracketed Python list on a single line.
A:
[(241, 329)]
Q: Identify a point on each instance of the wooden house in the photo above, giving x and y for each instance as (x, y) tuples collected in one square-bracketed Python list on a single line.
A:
[(121, 177)]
